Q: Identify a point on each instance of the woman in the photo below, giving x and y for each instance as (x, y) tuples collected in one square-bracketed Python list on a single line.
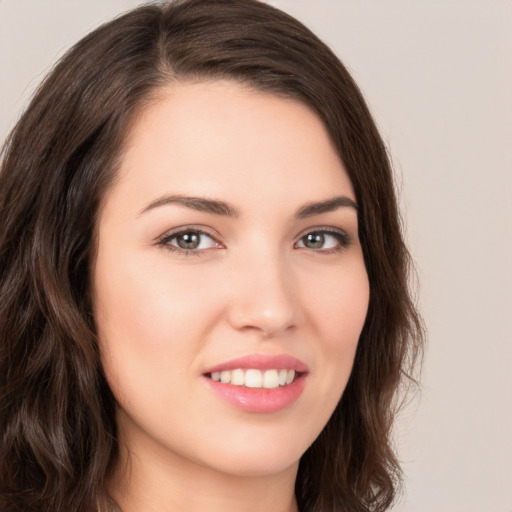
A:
[(204, 296)]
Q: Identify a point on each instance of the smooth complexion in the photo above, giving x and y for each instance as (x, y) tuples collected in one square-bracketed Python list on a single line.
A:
[(211, 249)]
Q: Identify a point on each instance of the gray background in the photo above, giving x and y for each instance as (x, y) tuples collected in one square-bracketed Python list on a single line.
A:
[(437, 75)]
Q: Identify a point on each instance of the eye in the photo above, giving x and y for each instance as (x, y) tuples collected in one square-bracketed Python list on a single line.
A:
[(324, 241), (189, 240)]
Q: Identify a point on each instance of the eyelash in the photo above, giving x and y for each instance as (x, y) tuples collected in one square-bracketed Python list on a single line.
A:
[(165, 241), (342, 238)]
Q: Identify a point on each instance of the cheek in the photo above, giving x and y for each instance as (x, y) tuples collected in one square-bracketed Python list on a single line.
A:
[(151, 318), (340, 306), (339, 314), (144, 292)]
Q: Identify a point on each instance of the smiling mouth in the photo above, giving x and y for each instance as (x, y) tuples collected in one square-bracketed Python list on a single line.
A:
[(255, 378)]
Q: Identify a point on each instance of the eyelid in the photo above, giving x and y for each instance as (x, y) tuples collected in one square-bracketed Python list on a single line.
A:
[(164, 239), (344, 238)]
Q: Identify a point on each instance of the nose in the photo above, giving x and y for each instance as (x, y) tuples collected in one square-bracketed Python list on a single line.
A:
[(263, 299)]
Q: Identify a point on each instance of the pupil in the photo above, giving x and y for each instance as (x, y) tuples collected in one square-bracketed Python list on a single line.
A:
[(315, 240), (188, 241)]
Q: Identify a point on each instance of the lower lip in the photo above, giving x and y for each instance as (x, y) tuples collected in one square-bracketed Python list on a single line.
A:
[(259, 400)]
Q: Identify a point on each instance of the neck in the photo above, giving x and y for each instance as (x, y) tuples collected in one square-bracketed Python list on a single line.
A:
[(145, 484)]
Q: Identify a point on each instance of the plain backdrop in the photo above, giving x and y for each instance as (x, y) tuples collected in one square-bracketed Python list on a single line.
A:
[(438, 77)]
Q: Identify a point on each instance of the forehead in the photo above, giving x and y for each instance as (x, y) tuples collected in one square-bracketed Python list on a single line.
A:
[(221, 138)]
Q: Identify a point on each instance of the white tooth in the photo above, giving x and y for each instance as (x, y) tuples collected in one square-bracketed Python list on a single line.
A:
[(225, 376), (253, 379), (282, 377), (271, 379), (237, 377), (290, 376), (216, 376)]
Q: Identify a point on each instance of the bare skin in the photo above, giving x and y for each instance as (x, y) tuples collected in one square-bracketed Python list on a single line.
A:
[(230, 233)]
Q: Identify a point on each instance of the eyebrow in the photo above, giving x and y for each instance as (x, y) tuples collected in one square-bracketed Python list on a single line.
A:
[(218, 207), (328, 205), (195, 203)]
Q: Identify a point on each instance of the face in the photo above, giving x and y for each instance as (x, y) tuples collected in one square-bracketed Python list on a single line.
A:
[(229, 286)]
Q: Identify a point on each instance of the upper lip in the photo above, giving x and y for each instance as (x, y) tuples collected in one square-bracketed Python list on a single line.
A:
[(261, 362)]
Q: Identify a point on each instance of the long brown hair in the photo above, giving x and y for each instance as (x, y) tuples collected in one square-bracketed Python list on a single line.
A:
[(57, 425)]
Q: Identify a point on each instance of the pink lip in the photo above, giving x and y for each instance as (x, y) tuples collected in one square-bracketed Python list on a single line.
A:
[(261, 362), (259, 400)]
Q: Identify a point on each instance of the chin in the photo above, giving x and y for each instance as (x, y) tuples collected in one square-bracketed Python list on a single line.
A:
[(257, 459), (258, 466)]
